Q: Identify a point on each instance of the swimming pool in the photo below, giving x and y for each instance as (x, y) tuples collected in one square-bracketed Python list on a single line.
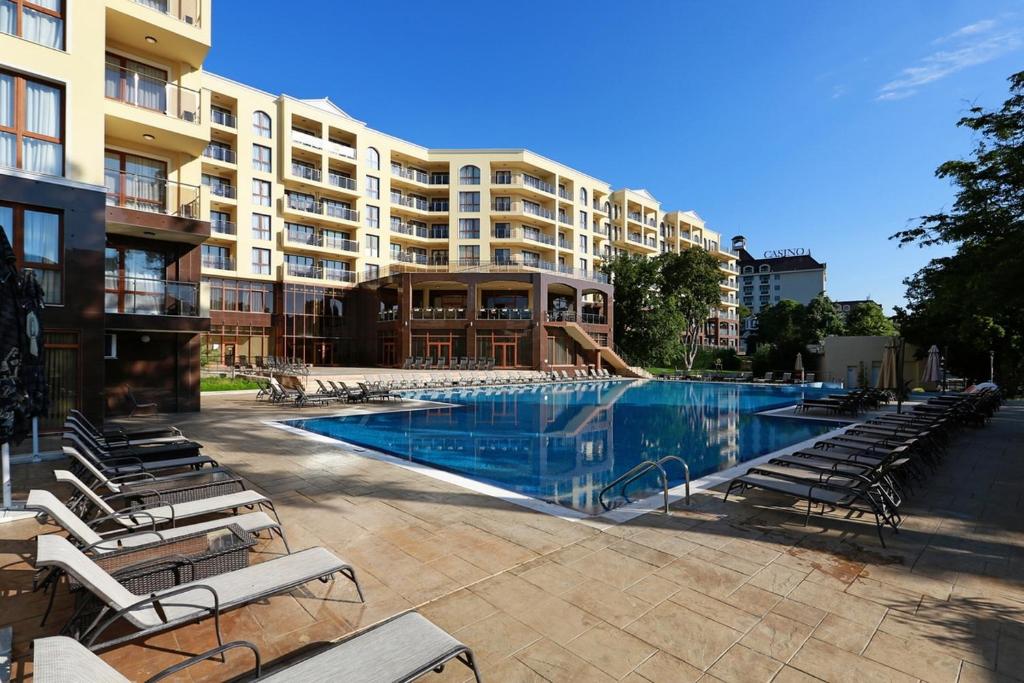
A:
[(562, 443)]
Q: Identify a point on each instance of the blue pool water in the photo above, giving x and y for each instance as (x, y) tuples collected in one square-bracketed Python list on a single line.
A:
[(563, 443)]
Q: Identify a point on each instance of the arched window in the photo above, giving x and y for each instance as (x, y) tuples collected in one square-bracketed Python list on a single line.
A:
[(469, 175), (607, 207), (261, 124), (765, 268), (583, 196), (373, 158), (748, 269)]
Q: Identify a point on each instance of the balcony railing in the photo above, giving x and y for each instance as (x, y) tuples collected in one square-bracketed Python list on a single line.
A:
[(411, 202), (302, 171), (634, 216), (601, 230), (408, 257), (411, 174), (223, 118), (409, 229), (505, 314), (220, 154), (339, 274), (563, 244), (182, 10), (223, 228), (476, 265), (565, 194), (219, 262), (341, 181), (315, 142), (435, 313), (319, 239), (142, 296), (522, 207), (599, 206), (564, 218), (303, 270), (149, 92), (651, 242), (222, 190), (635, 237), (523, 181), (574, 317), (320, 208), (155, 195)]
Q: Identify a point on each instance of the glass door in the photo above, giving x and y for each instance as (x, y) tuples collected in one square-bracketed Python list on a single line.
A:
[(505, 354)]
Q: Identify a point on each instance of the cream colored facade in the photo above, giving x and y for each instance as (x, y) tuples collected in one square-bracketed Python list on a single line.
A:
[(349, 203)]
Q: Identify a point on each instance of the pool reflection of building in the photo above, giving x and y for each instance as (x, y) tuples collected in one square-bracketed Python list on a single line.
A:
[(551, 429)]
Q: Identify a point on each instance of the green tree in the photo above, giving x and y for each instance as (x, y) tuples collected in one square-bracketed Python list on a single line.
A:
[(866, 319), (645, 327), (689, 284), (967, 303), (821, 319)]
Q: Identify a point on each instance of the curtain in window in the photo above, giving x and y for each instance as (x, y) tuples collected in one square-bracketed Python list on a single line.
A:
[(43, 28), (145, 86), (8, 17), (145, 186), (8, 151), (161, 5), (42, 115), (41, 237)]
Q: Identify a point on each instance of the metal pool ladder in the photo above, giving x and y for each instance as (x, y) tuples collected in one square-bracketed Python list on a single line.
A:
[(640, 470)]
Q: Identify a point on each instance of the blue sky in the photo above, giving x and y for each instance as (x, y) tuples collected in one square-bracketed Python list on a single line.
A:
[(798, 124)]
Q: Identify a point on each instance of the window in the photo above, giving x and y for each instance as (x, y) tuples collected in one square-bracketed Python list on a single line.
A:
[(583, 196), (503, 256), (748, 269), (583, 243), (110, 345), (469, 228), (439, 231), (372, 216), (261, 124), (469, 175), (31, 116), (502, 203), (503, 177), (583, 220), (136, 83), (764, 268), (502, 230), (36, 234), (469, 255), (261, 158), (371, 272), (260, 226), (260, 261), (469, 201), (372, 187), (135, 182), (372, 246), (373, 158), (261, 193), (41, 21), (583, 264)]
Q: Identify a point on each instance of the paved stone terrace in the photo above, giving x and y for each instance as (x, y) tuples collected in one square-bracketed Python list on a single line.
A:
[(733, 591)]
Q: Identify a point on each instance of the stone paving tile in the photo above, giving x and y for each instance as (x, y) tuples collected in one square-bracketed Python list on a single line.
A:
[(777, 637), (495, 637), (703, 576), (664, 668), (618, 608), (696, 639), (843, 633), (757, 601), (714, 609), (613, 651), (829, 663), (743, 665), (555, 663), (913, 657)]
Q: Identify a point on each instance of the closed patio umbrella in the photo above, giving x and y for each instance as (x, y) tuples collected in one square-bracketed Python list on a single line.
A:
[(932, 368), (887, 373), (798, 367)]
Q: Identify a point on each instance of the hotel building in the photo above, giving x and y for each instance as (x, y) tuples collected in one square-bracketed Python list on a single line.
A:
[(231, 223)]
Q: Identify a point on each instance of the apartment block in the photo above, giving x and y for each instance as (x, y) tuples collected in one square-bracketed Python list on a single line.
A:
[(228, 224)]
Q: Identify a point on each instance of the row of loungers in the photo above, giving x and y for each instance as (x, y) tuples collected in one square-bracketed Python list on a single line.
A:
[(492, 378), (464, 363), (851, 403), (142, 499), (870, 466)]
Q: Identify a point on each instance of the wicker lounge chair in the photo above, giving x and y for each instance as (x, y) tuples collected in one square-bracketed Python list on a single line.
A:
[(190, 601), (118, 464)]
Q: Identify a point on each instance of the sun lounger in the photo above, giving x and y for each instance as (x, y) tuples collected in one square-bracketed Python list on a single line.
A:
[(400, 649), (139, 516), (116, 465), (124, 434), (177, 448), (190, 601)]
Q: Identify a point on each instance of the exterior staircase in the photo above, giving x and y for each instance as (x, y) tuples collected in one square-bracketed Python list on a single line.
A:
[(608, 354)]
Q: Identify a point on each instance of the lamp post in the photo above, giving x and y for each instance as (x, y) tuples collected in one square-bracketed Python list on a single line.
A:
[(992, 366)]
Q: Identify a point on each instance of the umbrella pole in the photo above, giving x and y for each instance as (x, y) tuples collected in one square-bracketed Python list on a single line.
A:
[(5, 455), (35, 439)]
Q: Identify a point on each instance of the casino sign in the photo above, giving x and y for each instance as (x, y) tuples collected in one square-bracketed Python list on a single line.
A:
[(779, 253)]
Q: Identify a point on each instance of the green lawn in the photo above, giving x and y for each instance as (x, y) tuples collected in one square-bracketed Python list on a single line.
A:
[(226, 384)]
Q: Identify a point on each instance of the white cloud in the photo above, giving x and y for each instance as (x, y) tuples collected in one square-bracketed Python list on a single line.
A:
[(838, 91), (974, 46)]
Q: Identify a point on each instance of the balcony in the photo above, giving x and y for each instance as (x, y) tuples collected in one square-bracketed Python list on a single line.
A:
[(505, 314), (431, 313), (320, 241), (565, 219), (408, 257), (476, 265), (222, 190), (523, 181), (601, 230), (139, 104), (651, 242), (565, 244), (218, 153), (315, 207), (417, 203), (635, 216), (410, 174), (219, 262), (166, 208), (339, 275), (410, 229), (307, 173), (524, 208), (223, 118), (143, 296), (223, 228), (598, 205), (574, 317), (338, 180), (180, 27), (337, 149), (564, 194)]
